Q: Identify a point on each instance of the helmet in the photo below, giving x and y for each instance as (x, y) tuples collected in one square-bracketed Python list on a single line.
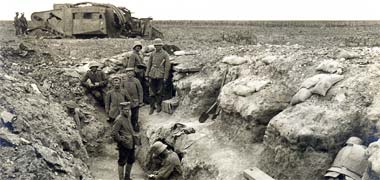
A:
[(158, 147), (158, 42), (94, 64), (354, 140), (136, 43)]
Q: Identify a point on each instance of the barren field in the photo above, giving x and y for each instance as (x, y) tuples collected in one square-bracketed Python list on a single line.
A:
[(263, 121)]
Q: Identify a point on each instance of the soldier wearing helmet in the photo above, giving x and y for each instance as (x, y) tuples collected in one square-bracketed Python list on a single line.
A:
[(158, 73), (350, 162), (171, 165), (125, 137), (98, 81), (136, 61)]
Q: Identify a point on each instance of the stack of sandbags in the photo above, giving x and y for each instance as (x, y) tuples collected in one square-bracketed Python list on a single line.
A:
[(247, 86), (318, 84)]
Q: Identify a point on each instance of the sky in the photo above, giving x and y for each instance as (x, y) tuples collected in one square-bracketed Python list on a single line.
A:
[(221, 10)]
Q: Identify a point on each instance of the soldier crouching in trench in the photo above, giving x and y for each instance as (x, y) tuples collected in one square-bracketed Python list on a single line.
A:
[(170, 168), (126, 138), (350, 162), (98, 82)]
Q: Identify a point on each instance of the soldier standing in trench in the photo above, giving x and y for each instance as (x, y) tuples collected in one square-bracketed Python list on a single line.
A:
[(136, 62), (158, 73), (98, 81), (133, 87), (113, 99), (171, 168), (124, 135)]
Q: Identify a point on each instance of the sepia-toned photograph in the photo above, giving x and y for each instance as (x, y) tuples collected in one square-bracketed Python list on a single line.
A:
[(189, 90)]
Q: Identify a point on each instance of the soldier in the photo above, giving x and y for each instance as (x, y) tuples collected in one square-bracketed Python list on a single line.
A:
[(158, 73), (23, 24), (114, 97), (171, 165), (136, 61), (134, 89), (350, 162), (98, 82), (16, 23), (124, 136)]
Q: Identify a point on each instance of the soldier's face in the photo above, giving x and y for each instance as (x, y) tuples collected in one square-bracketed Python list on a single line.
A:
[(159, 47), (130, 74), (125, 111), (116, 83), (93, 68), (138, 48)]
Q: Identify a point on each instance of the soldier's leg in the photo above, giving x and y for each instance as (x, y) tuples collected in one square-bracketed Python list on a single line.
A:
[(130, 160), (160, 93), (135, 118), (123, 157), (153, 93)]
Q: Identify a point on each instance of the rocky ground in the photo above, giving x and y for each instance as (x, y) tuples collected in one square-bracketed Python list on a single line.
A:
[(286, 108)]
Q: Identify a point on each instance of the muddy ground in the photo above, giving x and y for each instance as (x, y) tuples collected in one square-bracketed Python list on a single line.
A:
[(257, 125)]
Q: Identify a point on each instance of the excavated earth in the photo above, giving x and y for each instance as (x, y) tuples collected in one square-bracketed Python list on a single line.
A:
[(257, 125)]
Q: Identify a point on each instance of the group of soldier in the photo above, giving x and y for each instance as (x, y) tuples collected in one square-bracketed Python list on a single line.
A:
[(21, 24), (123, 100)]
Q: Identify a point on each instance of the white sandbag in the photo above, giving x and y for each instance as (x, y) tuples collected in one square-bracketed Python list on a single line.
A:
[(300, 96), (242, 90), (347, 54), (325, 84), (179, 53), (234, 60), (312, 81), (330, 66)]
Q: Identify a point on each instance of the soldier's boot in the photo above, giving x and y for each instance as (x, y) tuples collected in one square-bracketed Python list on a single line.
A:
[(152, 103), (128, 169), (120, 169), (159, 101)]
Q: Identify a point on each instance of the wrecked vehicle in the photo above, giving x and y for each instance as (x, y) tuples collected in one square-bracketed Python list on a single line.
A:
[(87, 19)]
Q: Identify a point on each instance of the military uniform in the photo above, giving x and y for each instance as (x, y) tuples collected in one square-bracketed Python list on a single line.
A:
[(133, 87), (95, 77), (157, 70), (136, 62), (170, 168), (112, 101), (23, 24), (123, 134), (17, 24)]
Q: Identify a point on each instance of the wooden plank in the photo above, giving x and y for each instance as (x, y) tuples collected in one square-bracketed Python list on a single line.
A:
[(256, 174)]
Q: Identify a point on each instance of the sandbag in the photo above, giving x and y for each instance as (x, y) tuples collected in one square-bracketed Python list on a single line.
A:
[(330, 66), (312, 81), (347, 54), (300, 96), (325, 84), (234, 60), (245, 89)]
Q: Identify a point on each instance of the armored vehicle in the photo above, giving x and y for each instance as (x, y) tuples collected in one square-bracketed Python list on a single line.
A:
[(87, 19)]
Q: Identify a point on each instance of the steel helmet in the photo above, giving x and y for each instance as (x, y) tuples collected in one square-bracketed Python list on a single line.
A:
[(136, 43), (354, 140), (158, 42), (158, 147), (94, 64)]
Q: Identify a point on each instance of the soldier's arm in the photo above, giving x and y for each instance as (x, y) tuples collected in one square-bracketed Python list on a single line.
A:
[(140, 90), (104, 79), (107, 102), (115, 131), (132, 61), (165, 171), (167, 66), (84, 79), (149, 65)]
